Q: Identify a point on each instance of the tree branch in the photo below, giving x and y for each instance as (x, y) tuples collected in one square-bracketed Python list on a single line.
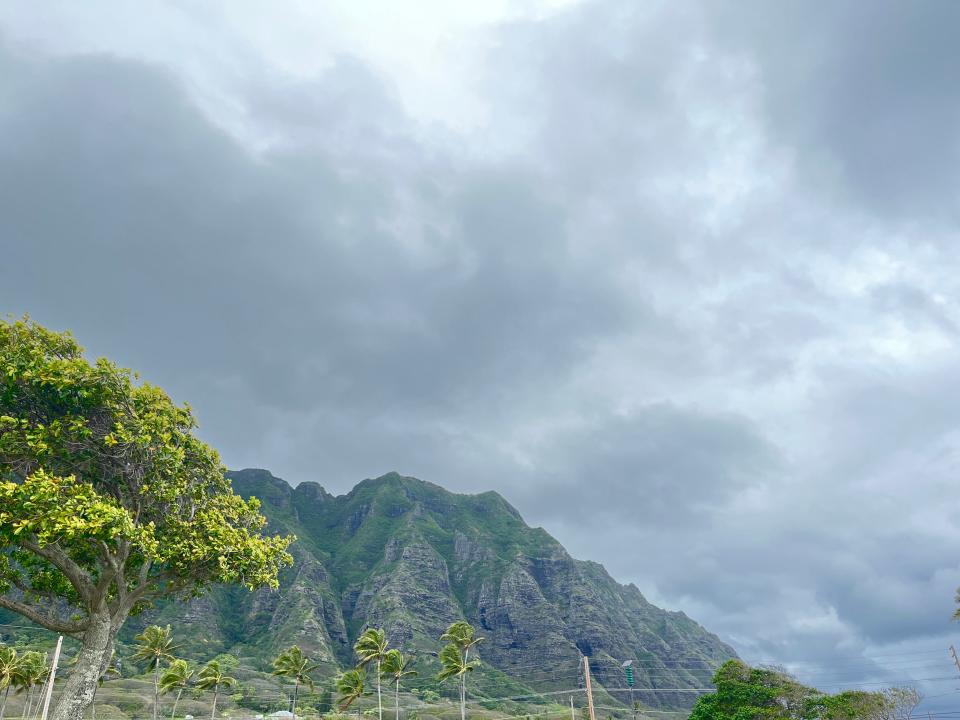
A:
[(53, 553), (48, 621)]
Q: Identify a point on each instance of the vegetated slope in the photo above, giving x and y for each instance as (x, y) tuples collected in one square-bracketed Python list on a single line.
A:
[(411, 557)]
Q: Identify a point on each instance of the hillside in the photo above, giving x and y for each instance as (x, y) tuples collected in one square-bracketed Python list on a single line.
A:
[(409, 556)]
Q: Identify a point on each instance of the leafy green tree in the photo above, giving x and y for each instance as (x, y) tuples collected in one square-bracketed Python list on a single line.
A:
[(177, 677), (745, 693), (351, 686), (155, 645), (108, 501), (371, 647), (293, 664), (213, 677), (454, 658), (396, 666), (9, 663)]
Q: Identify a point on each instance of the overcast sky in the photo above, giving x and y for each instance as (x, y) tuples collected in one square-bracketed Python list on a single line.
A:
[(679, 280)]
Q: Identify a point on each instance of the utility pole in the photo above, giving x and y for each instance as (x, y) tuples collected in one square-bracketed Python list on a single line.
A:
[(586, 675), (53, 676), (628, 671), (956, 660)]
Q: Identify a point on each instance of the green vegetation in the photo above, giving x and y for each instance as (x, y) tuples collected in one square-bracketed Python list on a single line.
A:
[(292, 663), (155, 646), (108, 501), (176, 677), (9, 667), (745, 693), (351, 685), (214, 676), (371, 647), (454, 658), (396, 666), (30, 672)]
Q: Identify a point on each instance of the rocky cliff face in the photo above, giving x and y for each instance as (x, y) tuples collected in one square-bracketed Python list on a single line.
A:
[(408, 556)]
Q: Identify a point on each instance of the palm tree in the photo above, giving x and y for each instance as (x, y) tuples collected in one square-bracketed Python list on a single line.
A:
[(396, 666), (292, 663), (156, 645), (351, 686), (213, 676), (9, 662), (31, 671), (371, 646), (176, 677), (454, 658)]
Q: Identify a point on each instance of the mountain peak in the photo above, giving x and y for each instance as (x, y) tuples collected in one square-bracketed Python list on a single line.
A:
[(411, 557)]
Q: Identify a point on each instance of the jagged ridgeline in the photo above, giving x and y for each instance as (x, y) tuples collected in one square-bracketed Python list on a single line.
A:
[(411, 557)]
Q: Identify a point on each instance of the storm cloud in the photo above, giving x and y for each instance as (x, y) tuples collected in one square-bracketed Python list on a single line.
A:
[(678, 279)]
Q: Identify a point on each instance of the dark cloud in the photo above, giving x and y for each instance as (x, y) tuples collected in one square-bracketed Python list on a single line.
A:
[(659, 466), (863, 94)]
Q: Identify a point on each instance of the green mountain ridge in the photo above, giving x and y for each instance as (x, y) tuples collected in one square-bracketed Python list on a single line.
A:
[(411, 557)]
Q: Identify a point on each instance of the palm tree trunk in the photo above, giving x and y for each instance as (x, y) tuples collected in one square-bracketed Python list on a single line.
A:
[(156, 689), (396, 700), (379, 701), (3, 705), (213, 713), (175, 703), (463, 687), (296, 691)]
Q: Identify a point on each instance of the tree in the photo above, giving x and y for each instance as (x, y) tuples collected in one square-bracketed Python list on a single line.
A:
[(454, 658), (744, 692), (396, 666), (213, 677), (176, 677), (371, 646), (111, 669), (293, 664), (351, 686), (155, 646), (108, 501), (31, 671), (9, 664), (901, 702)]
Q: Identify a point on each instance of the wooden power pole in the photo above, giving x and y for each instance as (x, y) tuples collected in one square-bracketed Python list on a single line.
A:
[(586, 675)]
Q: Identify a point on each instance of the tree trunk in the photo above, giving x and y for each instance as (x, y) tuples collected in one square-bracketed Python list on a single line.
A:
[(175, 703), (156, 689), (463, 686), (93, 703), (379, 701), (3, 705), (396, 699), (79, 690), (213, 713), (296, 692)]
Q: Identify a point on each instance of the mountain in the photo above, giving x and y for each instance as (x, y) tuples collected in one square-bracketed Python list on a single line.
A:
[(411, 557)]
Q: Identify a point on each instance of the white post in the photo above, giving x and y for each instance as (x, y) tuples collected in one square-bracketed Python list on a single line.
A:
[(53, 676)]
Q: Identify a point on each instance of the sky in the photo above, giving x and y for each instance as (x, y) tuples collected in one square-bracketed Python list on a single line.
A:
[(679, 280)]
